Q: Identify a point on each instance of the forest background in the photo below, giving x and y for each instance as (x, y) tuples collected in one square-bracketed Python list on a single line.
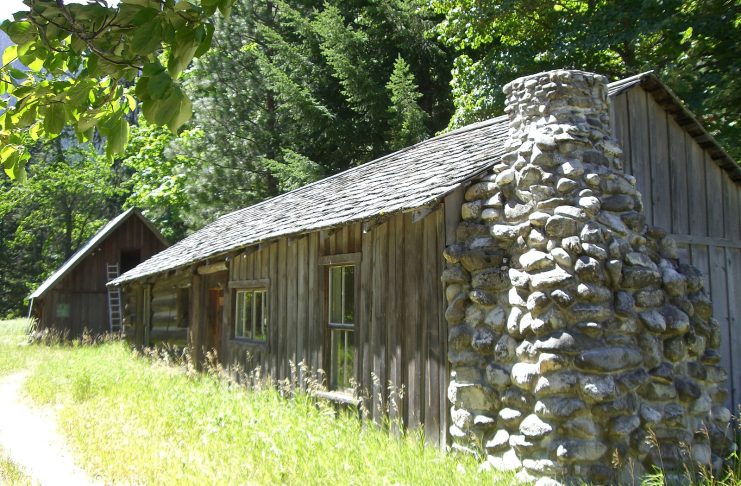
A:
[(293, 91)]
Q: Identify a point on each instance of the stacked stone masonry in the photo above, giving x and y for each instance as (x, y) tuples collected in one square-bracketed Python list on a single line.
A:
[(581, 349)]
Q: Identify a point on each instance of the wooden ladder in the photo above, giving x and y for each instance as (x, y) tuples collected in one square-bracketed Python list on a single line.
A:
[(115, 315)]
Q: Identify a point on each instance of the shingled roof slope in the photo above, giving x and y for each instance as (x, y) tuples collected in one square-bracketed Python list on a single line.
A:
[(89, 246), (414, 177)]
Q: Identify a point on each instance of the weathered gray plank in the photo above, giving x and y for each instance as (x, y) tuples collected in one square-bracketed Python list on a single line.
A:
[(411, 354), (640, 145), (714, 202), (696, 191), (430, 332), (718, 289), (661, 201), (621, 128), (379, 282), (302, 282), (733, 290), (394, 273), (678, 181), (731, 206), (314, 335)]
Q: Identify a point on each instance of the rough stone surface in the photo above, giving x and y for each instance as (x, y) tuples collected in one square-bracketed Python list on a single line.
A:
[(573, 329)]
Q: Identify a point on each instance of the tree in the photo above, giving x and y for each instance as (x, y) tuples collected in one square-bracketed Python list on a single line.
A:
[(292, 91), (69, 195), (408, 119), (690, 43), (83, 62)]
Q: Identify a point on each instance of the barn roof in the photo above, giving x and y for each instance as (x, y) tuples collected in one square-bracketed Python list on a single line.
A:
[(414, 177), (89, 246)]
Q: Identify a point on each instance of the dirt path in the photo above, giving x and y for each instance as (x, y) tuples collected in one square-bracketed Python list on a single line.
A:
[(30, 437)]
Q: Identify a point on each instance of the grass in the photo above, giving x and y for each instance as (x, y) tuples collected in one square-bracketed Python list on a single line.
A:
[(11, 473), (132, 420), (15, 355)]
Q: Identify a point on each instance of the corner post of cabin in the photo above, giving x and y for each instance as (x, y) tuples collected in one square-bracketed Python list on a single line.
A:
[(581, 348), (195, 335)]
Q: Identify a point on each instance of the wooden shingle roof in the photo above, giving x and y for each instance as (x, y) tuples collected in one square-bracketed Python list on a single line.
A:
[(417, 176)]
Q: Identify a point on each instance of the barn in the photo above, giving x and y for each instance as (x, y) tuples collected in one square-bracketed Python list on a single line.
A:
[(344, 274), (75, 296)]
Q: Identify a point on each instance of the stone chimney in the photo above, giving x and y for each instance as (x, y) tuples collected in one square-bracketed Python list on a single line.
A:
[(581, 349)]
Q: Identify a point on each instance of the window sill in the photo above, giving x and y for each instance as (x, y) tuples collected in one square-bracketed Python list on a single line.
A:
[(249, 342), (338, 397)]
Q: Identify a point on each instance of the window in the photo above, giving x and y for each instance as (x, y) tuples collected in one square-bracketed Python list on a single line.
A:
[(250, 314), (341, 325)]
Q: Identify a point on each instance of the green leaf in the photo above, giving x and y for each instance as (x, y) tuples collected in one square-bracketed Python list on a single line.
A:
[(10, 54), (147, 38), (182, 115), (36, 65), (118, 135), (158, 85), (19, 32), (54, 119)]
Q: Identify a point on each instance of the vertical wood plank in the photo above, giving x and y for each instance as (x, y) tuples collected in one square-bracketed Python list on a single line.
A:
[(315, 334), (411, 353), (452, 204), (363, 373), (443, 335), (696, 193), (282, 308), (378, 321), (431, 337), (731, 206), (640, 146), (394, 322), (678, 181), (733, 290), (291, 303), (622, 128), (302, 310), (274, 330), (661, 200), (718, 291), (714, 203)]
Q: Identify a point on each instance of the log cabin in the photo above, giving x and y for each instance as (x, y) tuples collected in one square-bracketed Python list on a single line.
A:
[(344, 274), (75, 297)]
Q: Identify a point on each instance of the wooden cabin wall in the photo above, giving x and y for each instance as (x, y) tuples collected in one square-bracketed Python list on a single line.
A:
[(84, 288), (400, 330), (688, 194)]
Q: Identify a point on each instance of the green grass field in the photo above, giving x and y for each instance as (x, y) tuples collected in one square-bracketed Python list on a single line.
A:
[(132, 420)]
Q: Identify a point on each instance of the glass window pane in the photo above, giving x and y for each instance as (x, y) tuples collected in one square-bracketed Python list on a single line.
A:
[(260, 315), (343, 358), (335, 295), (349, 301), (239, 315), (249, 313)]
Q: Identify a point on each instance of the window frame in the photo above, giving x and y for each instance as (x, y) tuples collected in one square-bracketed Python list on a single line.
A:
[(238, 287), (329, 263)]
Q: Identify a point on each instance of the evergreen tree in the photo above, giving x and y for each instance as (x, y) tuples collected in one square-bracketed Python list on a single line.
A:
[(408, 119)]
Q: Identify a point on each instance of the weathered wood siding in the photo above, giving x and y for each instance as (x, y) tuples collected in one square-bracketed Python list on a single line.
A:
[(84, 288), (400, 331), (686, 193)]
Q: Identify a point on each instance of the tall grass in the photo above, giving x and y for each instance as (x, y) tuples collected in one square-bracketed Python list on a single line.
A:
[(11, 473), (15, 354), (136, 421)]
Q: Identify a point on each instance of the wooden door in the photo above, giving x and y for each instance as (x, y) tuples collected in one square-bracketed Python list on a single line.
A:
[(215, 317)]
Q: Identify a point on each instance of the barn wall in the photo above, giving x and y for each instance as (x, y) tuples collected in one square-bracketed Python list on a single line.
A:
[(84, 288), (400, 331), (685, 192)]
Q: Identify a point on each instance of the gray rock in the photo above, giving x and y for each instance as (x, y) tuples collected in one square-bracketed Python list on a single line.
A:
[(582, 427), (589, 269), (592, 292), (562, 298), (623, 426), (677, 322), (468, 230), (594, 250), (591, 233), (571, 212), (515, 211), (459, 337), (580, 451), (562, 257), (653, 321), (607, 359), (650, 297), (597, 388), (471, 210), (613, 222), (524, 375), (533, 427), (482, 297), (636, 277), (505, 177), (650, 415), (565, 185), (534, 260), (675, 349), (560, 226), (558, 407), (536, 302), (497, 376), (456, 310), (590, 204), (483, 340), (550, 279), (480, 190), (652, 349), (615, 271), (674, 282), (519, 279), (499, 442), (538, 218), (507, 232), (560, 382), (618, 203), (496, 318), (658, 391), (492, 279), (641, 260), (505, 349), (454, 275)]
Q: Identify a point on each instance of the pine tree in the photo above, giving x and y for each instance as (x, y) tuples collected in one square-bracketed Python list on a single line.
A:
[(407, 117)]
